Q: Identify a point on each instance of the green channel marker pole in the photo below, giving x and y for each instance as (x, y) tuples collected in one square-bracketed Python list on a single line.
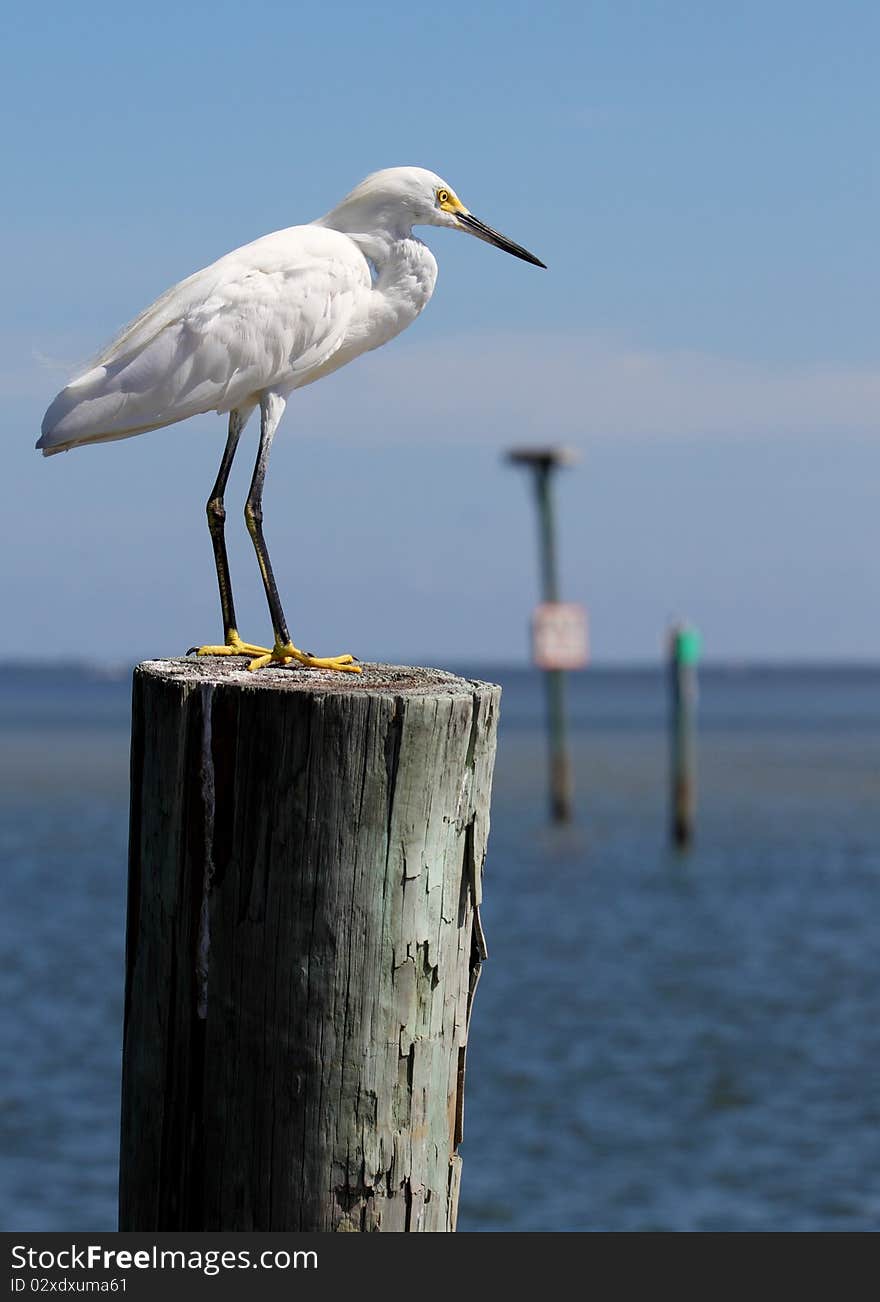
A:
[(684, 652), (543, 462)]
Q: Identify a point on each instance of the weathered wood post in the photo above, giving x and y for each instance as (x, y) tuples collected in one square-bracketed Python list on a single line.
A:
[(303, 945), (684, 652)]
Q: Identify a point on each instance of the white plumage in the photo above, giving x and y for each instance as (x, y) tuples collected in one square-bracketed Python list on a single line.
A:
[(259, 323), (270, 315)]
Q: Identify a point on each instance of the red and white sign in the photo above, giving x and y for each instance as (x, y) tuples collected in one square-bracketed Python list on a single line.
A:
[(559, 636)]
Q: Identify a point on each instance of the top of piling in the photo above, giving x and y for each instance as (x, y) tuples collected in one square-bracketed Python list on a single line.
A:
[(384, 680), (546, 457)]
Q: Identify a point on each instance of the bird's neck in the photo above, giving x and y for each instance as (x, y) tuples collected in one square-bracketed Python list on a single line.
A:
[(404, 269), (389, 255), (374, 219), (399, 260), (381, 241)]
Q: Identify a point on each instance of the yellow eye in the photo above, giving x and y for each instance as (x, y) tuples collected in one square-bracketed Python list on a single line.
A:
[(443, 196)]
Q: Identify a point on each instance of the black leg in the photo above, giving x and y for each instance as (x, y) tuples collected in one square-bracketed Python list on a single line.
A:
[(284, 652), (217, 520), (271, 411)]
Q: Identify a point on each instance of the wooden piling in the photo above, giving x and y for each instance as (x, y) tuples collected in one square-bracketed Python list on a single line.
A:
[(684, 649), (303, 945)]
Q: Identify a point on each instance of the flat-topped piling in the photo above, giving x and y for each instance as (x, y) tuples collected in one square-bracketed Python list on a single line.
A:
[(303, 944)]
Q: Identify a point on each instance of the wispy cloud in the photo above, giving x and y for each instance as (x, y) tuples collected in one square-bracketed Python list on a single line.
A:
[(575, 388)]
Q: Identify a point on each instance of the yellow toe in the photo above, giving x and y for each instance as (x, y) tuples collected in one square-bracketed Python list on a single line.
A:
[(287, 653), (233, 646)]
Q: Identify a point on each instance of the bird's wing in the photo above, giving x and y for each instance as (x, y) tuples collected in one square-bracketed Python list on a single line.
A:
[(265, 316)]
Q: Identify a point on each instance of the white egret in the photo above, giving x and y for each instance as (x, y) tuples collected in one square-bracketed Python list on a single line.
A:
[(260, 322)]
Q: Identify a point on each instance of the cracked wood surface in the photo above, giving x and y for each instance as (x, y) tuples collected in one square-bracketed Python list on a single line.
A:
[(303, 945)]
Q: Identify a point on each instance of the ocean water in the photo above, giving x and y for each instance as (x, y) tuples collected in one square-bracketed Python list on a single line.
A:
[(659, 1041)]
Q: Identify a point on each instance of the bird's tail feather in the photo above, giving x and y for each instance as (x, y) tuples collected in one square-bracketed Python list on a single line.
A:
[(49, 448), (108, 403)]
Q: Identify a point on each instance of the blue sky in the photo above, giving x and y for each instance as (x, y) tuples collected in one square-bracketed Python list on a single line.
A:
[(701, 180)]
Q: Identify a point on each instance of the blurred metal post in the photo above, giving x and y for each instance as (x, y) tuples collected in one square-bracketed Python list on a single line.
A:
[(543, 462), (684, 652)]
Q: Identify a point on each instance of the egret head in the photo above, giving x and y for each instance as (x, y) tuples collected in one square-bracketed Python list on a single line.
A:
[(412, 196)]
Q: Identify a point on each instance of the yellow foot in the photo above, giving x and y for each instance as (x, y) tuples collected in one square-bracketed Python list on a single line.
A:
[(233, 646), (287, 653)]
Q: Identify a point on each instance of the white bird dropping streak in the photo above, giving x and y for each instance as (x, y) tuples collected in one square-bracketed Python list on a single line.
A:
[(254, 326)]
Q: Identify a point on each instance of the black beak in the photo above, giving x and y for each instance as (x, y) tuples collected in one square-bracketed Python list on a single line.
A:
[(484, 232)]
